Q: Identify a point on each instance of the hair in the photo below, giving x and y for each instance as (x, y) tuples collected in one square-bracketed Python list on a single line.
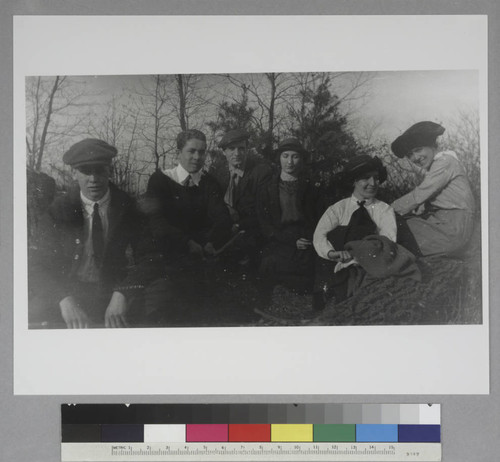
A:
[(185, 136)]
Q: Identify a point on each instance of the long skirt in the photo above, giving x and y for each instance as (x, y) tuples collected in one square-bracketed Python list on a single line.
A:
[(442, 231)]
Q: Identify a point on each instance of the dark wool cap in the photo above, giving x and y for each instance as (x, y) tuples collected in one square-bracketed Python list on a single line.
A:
[(234, 136), (418, 135), (361, 165), (90, 151), (291, 144)]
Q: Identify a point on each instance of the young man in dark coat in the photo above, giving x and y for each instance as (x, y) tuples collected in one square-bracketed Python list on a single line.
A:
[(242, 177), (78, 271), (189, 223)]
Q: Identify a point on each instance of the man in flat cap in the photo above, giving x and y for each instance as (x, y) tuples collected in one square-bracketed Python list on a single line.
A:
[(85, 264), (241, 181)]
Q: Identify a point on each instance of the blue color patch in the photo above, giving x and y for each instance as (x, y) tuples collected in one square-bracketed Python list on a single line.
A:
[(372, 433), (419, 433)]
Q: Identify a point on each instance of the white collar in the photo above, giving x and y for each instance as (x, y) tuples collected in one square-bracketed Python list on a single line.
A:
[(367, 201), (182, 174), (89, 204), (240, 172)]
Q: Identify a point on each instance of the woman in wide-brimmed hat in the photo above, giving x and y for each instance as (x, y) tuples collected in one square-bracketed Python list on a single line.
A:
[(440, 209), (288, 210), (351, 219)]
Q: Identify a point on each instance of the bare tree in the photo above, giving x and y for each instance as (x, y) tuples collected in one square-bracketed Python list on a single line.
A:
[(119, 126), (52, 111)]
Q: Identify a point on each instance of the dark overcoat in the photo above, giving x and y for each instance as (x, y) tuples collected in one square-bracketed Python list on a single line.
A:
[(281, 258), (55, 254), (257, 174), (177, 214)]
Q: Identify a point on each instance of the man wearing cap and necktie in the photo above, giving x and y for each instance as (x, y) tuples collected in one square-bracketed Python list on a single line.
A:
[(241, 181), (93, 225)]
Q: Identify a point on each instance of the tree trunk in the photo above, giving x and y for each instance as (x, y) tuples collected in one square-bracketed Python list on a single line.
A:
[(182, 89), (47, 122)]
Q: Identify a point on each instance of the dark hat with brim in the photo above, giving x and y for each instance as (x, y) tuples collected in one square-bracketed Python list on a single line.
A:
[(90, 151), (291, 144), (418, 135), (361, 165), (234, 136)]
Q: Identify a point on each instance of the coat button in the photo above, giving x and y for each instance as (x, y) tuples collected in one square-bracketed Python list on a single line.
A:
[(77, 257), (77, 241)]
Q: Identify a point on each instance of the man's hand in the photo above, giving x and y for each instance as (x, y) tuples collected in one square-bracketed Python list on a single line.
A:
[(73, 315), (303, 244), (195, 249), (116, 311), (340, 255)]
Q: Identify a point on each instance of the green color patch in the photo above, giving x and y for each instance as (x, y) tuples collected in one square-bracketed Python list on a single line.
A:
[(334, 432)]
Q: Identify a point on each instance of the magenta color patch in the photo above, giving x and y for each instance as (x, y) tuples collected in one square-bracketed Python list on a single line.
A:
[(204, 433)]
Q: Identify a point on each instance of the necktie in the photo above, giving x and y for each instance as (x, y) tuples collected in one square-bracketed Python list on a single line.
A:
[(229, 196), (97, 235), (188, 182), (361, 224)]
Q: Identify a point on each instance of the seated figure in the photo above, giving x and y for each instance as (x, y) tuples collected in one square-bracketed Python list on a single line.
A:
[(351, 219), (78, 262), (440, 210), (289, 207)]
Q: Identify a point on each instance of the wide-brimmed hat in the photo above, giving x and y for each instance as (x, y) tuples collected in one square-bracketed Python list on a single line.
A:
[(418, 135), (90, 151), (234, 136), (361, 165)]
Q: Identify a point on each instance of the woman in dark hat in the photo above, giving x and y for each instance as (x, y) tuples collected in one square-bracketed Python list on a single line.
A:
[(351, 219), (288, 209), (440, 209)]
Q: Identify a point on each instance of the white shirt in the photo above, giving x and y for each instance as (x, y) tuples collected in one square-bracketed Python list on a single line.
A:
[(339, 214), (88, 270), (179, 175)]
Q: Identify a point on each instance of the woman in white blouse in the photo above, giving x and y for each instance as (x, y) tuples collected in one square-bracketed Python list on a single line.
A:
[(352, 219)]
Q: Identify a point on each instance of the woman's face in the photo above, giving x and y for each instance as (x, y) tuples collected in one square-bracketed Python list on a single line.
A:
[(423, 156), (192, 155), (366, 186), (291, 162)]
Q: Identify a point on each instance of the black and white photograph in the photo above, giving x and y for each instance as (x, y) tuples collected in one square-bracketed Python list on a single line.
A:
[(266, 199), (198, 200)]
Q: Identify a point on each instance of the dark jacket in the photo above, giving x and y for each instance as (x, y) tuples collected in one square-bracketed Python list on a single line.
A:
[(311, 205), (55, 256), (177, 214), (256, 175)]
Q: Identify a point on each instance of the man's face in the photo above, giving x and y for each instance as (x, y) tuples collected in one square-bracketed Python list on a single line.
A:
[(236, 154), (192, 155), (93, 180), (366, 186)]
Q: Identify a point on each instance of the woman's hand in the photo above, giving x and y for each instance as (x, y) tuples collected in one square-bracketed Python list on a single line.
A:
[(339, 255), (303, 244)]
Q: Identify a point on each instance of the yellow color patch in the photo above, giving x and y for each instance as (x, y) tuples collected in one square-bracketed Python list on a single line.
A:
[(292, 432)]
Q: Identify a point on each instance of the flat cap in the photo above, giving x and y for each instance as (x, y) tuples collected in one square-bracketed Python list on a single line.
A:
[(234, 136), (357, 166), (418, 135), (90, 151), (291, 144)]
